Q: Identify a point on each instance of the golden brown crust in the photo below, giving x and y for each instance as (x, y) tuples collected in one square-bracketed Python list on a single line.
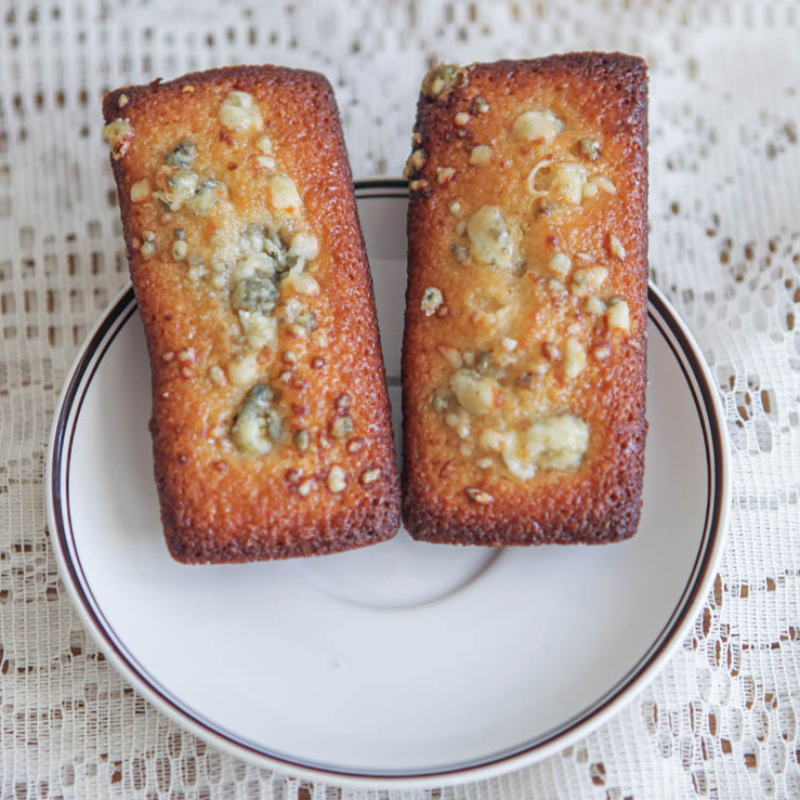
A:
[(218, 505), (600, 501)]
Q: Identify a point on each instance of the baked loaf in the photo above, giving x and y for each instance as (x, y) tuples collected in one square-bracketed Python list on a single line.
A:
[(524, 359), (271, 424)]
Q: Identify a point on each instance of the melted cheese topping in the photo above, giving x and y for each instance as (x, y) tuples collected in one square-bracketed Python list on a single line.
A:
[(541, 311), (253, 264)]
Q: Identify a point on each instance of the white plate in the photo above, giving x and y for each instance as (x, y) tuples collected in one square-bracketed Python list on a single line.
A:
[(403, 663)]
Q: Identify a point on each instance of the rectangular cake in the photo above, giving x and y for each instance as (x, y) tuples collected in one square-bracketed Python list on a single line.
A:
[(524, 358), (270, 423)]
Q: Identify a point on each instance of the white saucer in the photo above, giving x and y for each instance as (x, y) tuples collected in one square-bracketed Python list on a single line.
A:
[(403, 663)]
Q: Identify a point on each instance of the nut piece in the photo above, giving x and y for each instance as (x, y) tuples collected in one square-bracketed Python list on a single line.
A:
[(243, 371), (440, 401), (265, 164), (551, 352), (602, 352), (618, 315), (284, 194), (264, 144), (140, 191), (444, 174), (462, 118), (589, 148), (568, 182), (478, 395), (595, 306), (355, 446), (336, 479), (415, 163), (302, 283), (452, 355), (575, 359), (342, 427), (460, 252), (149, 248), (478, 496), (217, 376), (239, 112), (561, 264), (604, 184), (508, 344), (118, 134), (440, 80), (493, 440), (459, 422), (431, 300), (535, 126), (370, 476), (617, 250), (479, 105), (588, 280), (302, 248), (482, 154)]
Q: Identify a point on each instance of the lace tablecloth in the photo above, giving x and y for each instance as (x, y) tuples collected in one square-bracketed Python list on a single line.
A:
[(721, 720)]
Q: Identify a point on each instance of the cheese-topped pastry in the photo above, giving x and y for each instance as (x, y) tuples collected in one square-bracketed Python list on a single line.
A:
[(271, 424), (524, 361)]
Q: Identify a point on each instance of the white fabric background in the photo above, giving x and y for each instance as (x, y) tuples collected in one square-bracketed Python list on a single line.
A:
[(721, 721)]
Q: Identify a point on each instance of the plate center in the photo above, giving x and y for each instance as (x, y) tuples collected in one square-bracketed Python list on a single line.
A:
[(396, 574)]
